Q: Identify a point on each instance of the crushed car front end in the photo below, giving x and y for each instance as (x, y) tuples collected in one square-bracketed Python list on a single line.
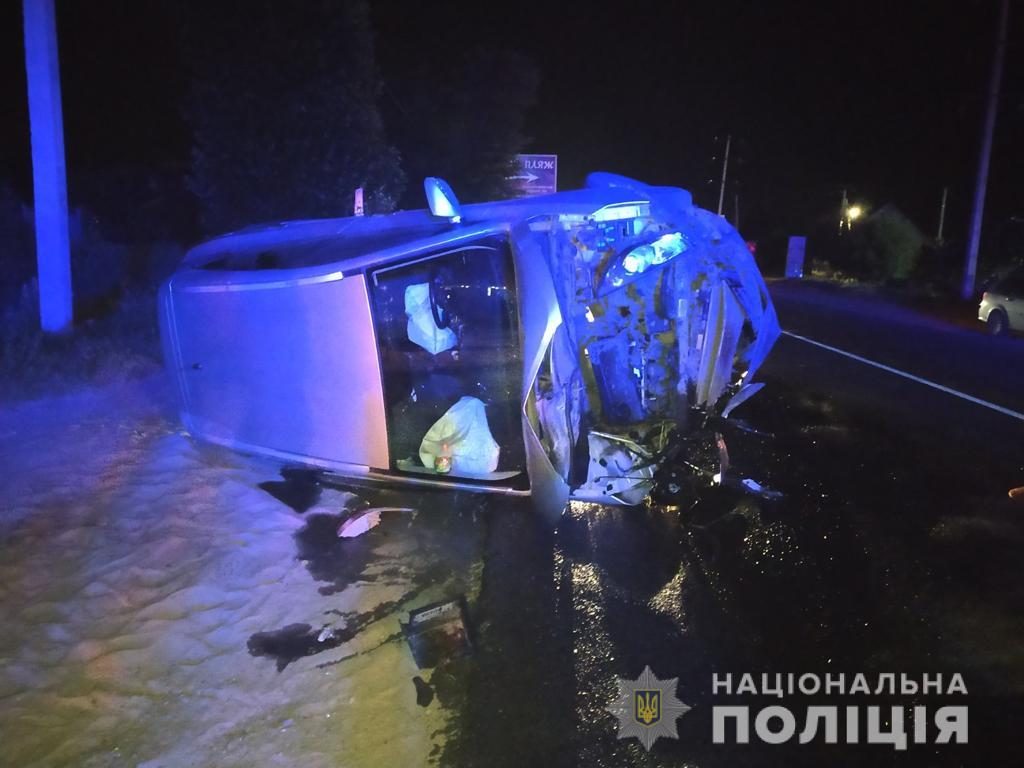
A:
[(663, 320)]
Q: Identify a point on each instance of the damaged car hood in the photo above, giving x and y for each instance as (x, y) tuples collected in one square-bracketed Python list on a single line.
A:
[(664, 320)]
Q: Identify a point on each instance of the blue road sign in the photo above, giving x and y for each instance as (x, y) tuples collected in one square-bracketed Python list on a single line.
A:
[(795, 256), (536, 175)]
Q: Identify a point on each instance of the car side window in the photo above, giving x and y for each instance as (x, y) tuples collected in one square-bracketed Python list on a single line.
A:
[(448, 332)]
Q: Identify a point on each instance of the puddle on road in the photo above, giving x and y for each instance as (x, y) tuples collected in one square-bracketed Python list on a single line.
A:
[(432, 547), (334, 561), (300, 489), (296, 641)]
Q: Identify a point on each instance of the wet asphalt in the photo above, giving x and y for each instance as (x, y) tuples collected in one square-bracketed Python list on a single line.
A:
[(894, 548)]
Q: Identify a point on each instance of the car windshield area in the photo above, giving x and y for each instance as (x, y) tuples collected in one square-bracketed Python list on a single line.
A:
[(448, 333)]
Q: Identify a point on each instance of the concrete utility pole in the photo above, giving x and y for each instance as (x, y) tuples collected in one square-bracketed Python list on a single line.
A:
[(978, 209), (53, 252), (725, 171)]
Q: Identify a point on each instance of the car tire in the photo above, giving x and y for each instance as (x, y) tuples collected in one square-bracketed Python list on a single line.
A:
[(998, 325)]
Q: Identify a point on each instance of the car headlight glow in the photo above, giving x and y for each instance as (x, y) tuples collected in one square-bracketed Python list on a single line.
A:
[(632, 263), (639, 259)]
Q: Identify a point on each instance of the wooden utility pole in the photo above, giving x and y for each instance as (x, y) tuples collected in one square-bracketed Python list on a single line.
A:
[(49, 179), (942, 215), (978, 209), (725, 171)]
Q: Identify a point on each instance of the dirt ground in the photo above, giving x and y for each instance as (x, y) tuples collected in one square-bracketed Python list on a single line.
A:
[(149, 589)]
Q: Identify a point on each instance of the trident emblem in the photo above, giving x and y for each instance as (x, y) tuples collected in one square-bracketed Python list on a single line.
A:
[(647, 707)]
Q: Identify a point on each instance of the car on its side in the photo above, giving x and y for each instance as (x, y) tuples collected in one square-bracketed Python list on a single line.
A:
[(544, 346), (1002, 304)]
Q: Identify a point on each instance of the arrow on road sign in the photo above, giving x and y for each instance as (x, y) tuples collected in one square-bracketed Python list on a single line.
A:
[(534, 175)]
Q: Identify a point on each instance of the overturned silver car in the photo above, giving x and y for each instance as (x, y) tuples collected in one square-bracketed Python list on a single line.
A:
[(545, 346)]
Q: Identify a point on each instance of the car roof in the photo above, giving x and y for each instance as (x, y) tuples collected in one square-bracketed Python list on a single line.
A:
[(348, 241)]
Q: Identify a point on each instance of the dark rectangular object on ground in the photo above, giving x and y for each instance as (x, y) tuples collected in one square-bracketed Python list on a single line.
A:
[(438, 631)]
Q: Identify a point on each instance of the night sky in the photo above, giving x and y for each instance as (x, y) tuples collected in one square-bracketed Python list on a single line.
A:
[(883, 98)]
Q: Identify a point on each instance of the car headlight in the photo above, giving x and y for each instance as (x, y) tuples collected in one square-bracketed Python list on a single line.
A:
[(640, 258)]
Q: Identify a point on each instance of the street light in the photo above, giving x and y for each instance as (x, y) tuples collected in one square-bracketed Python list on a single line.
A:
[(849, 214)]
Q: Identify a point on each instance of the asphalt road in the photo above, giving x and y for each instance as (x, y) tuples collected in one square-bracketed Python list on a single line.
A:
[(966, 359), (894, 548)]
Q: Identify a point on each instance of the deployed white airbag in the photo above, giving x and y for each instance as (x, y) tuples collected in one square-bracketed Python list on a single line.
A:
[(422, 329), (463, 436)]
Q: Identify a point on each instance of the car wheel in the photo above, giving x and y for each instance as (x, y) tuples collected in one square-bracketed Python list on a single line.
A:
[(997, 322)]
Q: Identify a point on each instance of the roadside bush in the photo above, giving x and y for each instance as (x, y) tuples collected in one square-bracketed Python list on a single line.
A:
[(1002, 247), (939, 269), (150, 264), (98, 266), (122, 344), (886, 246), (17, 257)]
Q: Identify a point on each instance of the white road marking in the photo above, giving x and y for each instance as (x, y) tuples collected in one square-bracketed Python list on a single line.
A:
[(912, 377)]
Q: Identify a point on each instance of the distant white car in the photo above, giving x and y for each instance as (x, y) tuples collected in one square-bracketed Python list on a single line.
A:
[(1002, 304), (543, 346)]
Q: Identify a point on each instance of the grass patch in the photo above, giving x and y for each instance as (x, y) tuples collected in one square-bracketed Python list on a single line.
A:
[(121, 342)]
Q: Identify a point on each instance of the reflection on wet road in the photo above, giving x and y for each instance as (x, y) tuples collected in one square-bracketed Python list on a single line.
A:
[(155, 581), (891, 550)]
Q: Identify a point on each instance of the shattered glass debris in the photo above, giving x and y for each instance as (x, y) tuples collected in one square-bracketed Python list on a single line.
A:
[(359, 524)]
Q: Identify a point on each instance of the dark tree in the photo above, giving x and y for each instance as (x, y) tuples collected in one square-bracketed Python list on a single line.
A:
[(283, 109), (461, 115)]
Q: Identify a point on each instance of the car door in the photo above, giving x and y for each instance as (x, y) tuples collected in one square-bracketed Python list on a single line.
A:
[(451, 362), (279, 362)]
